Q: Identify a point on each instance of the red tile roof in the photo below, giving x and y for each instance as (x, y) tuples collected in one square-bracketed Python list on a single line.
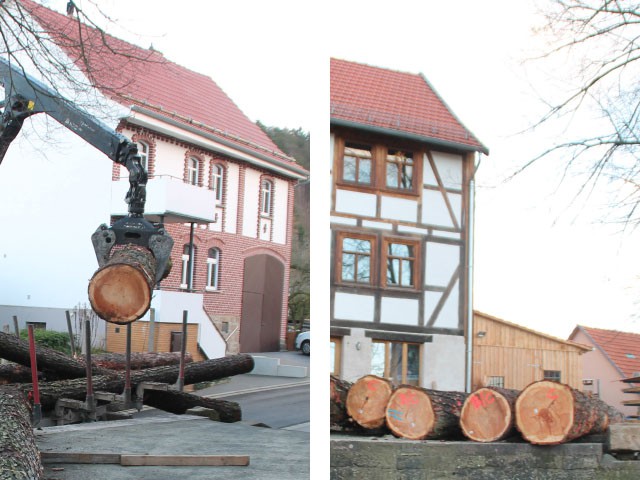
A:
[(396, 102), (133, 75), (622, 348)]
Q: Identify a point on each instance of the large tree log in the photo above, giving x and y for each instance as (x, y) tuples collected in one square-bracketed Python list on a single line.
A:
[(179, 402), (487, 414), (19, 456), (195, 372), (338, 391), (14, 373), (549, 413), (416, 413), (120, 291), (139, 360), (367, 401), (51, 363)]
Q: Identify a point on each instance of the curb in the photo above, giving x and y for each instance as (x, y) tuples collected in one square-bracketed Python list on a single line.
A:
[(258, 389)]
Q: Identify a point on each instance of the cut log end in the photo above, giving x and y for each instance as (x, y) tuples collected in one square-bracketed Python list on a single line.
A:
[(367, 401), (486, 416), (410, 413), (120, 291)]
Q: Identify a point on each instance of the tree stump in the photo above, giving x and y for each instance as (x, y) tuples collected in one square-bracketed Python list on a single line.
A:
[(120, 291), (550, 413), (19, 455), (338, 391), (367, 401), (487, 414), (416, 413)]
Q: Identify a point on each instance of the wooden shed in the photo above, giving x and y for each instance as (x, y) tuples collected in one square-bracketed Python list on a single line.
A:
[(512, 356)]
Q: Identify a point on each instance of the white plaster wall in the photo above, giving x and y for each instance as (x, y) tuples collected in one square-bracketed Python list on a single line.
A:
[(400, 311), (449, 168), (449, 316), (427, 173), (441, 261), (280, 211), (169, 160), (356, 203), (356, 362), (431, 300), (351, 306), (217, 225), (434, 209), (443, 363), (343, 220), (394, 208), (231, 206), (251, 203), (264, 231), (455, 200), (408, 229), (378, 225)]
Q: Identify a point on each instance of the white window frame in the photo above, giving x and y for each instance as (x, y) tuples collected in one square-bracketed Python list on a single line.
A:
[(192, 170), (213, 270), (143, 151), (184, 281), (217, 181), (266, 197)]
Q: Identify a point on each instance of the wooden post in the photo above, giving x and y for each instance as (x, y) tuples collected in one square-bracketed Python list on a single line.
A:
[(151, 347), (71, 336), (15, 326), (87, 339), (183, 349), (127, 368), (37, 408)]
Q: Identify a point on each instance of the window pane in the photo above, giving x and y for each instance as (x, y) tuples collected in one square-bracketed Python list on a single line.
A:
[(332, 357), (413, 364), (349, 169), (400, 250), (348, 266), (407, 273), (392, 175), (377, 359), (396, 362), (365, 171), (356, 245), (364, 269), (393, 271), (407, 176)]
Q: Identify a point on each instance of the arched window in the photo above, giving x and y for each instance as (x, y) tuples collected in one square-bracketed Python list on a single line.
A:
[(217, 181), (266, 197), (187, 273), (192, 170), (143, 151), (213, 269)]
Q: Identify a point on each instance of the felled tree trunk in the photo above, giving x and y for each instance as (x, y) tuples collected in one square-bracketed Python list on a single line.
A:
[(19, 456), (179, 402), (487, 414), (14, 373), (120, 291), (139, 360), (550, 413), (367, 401), (338, 391), (416, 413), (195, 372), (51, 363)]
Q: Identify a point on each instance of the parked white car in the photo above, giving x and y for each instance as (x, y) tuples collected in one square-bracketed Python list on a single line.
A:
[(303, 342)]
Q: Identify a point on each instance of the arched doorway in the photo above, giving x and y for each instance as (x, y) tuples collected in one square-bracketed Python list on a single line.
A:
[(262, 292)]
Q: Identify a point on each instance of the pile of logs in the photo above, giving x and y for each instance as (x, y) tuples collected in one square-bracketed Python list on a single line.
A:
[(65, 377), (544, 413)]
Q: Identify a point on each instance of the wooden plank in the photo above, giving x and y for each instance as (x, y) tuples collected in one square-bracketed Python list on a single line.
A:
[(185, 460), (631, 390), (71, 457)]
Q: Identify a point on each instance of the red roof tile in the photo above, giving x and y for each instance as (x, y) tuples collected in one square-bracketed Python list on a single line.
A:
[(622, 348), (395, 101), (134, 75)]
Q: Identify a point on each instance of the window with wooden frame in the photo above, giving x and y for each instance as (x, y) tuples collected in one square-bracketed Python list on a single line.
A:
[(193, 166), (266, 197), (396, 361), (188, 267), (552, 375), (143, 151), (213, 269), (494, 381), (399, 170), (355, 258), (217, 181), (357, 164), (400, 260)]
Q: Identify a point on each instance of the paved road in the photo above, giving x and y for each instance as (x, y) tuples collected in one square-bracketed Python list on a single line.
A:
[(278, 408)]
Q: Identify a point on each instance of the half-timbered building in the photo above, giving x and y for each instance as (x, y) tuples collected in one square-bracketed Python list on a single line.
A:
[(402, 228)]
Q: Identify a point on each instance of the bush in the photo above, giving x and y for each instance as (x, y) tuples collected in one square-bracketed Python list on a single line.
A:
[(48, 338)]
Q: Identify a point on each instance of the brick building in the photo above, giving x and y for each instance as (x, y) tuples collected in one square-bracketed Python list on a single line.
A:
[(223, 189)]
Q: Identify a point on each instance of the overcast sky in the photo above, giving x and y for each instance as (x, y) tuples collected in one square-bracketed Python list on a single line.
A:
[(540, 260)]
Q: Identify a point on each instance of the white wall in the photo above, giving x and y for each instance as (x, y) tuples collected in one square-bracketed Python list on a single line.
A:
[(251, 203), (231, 207), (280, 211), (443, 363)]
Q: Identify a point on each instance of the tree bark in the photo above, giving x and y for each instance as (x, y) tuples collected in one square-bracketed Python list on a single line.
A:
[(416, 413), (179, 402), (338, 391), (487, 414), (19, 456), (367, 401), (14, 373), (195, 372), (139, 360), (51, 363), (120, 291), (550, 413)]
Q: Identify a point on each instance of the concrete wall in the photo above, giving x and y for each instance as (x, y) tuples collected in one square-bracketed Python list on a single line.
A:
[(355, 458)]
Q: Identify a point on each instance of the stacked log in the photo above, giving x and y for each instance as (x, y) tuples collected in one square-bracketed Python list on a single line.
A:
[(550, 413), (367, 401), (139, 360), (416, 413), (487, 414), (19, 456), (338, 390)]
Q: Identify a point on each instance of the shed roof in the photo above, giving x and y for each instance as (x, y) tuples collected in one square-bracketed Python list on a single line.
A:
[(132, 75), (396, 103), (621, 348)]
